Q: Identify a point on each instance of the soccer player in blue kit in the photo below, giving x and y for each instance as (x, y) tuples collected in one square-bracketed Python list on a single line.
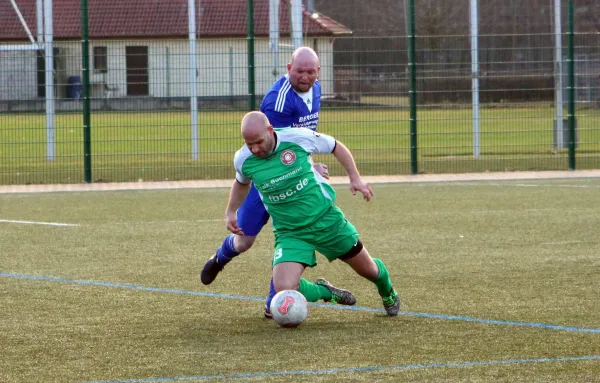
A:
[(293, 101)]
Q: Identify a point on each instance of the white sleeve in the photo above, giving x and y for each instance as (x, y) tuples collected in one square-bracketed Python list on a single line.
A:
[(238, 162), (312, 142)]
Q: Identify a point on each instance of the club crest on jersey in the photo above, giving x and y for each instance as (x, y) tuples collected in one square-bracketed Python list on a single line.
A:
[(288, 157)]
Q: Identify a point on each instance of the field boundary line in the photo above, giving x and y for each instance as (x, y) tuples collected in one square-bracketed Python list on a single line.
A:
[(347, 370), (39, 223), (209, 184), (337, 307)]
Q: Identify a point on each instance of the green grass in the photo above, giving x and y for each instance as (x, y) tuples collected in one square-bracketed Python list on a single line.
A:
[(513, 251), (156, 146)]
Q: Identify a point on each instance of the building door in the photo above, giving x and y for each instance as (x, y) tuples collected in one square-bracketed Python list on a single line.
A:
[(136, 61)]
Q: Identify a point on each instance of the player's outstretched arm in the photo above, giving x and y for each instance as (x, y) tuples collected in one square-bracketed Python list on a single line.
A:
[(344, 157), (237, 194)]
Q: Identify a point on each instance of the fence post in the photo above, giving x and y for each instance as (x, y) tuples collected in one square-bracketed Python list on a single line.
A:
[(49, 79), (193, 73), (251, 79), (571, 112), (412, 92), (85, 61), (474, 27)]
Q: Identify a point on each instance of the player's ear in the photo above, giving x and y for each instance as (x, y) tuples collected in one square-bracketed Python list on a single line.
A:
[(289, 67)]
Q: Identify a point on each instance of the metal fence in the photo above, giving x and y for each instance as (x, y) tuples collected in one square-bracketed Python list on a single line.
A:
[(488, 101)]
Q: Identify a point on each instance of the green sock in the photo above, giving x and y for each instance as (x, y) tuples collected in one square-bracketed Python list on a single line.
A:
[(313, 292), (383, 281)]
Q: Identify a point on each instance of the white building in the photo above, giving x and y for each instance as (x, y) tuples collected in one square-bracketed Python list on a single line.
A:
[(140, 48)]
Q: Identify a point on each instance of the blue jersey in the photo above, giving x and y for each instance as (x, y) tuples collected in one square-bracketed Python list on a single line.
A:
[(287, 108)]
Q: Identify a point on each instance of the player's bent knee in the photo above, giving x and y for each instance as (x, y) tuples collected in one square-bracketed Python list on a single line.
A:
[(243, 243), (286, 275), (281, 284)]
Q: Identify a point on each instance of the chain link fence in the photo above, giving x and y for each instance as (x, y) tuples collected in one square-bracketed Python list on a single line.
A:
[(142, 83)]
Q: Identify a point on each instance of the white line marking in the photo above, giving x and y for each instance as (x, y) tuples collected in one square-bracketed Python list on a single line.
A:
[(38, 223)]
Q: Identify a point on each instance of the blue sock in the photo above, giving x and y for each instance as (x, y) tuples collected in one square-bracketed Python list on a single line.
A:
[(272, 293), (226, 252)]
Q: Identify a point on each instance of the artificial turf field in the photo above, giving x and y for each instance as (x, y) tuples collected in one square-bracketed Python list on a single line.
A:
[(499, 282)]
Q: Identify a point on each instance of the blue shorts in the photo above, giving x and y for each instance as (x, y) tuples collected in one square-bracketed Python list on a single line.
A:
[(252, 215)]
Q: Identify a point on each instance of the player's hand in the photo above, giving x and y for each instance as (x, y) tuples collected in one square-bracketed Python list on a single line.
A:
[(362, 187), (322, 170), (231, 222)]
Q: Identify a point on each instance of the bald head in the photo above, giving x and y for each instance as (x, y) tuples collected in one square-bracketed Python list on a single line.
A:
[(303, 69), (254, 123), (258, 134), (305, 54)]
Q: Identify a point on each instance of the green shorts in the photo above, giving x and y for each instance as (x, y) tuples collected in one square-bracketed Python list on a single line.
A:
[(333, 236)]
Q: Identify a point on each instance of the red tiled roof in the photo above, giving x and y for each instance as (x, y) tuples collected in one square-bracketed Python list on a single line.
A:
[(159, 18)]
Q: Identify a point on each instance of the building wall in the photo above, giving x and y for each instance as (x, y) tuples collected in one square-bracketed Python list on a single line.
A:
[(222, 68), (18, 75)]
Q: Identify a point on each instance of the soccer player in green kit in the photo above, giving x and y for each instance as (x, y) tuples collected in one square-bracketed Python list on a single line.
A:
[(302, 208)]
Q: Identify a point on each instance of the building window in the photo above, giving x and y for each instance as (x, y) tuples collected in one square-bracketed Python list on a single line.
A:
[(100, 59)]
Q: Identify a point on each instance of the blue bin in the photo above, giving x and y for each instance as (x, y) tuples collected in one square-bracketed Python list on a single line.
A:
[(74, 87)]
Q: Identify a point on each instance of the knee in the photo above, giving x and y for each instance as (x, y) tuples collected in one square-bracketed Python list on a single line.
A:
[(287, 275), (243, 243), (281, 284)]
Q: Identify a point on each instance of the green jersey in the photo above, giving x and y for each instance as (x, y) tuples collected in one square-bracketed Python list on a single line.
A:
[(293, 193)]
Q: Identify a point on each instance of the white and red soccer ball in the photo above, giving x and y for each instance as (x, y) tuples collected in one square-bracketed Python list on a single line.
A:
[(289, 308)]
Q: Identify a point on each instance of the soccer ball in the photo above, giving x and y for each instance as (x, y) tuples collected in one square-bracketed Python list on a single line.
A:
[(289, 308)]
